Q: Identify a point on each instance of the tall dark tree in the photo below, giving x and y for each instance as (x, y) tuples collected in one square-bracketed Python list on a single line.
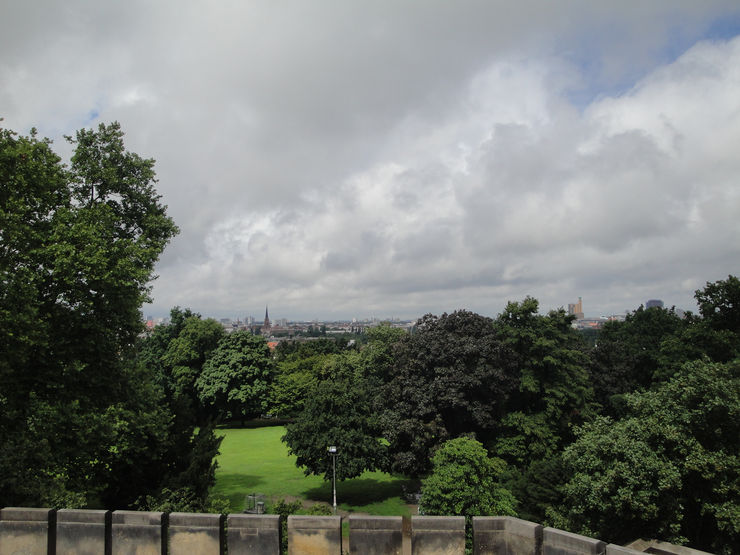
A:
[(553, 390), (453, 376), (628, 357), (553, 394)]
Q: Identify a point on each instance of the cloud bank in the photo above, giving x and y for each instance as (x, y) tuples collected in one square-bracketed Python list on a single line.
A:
[(392, 159)]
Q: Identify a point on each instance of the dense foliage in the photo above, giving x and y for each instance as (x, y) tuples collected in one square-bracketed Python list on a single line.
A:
[(235, 381), (81, 422), (670, 469), (465, 481), (634, 433)]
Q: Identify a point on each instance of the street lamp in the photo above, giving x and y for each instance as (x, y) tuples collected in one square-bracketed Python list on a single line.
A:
[(333, 452)]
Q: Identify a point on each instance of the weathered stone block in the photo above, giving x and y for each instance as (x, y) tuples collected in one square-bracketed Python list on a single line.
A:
[(253, 534), (84, 532), (314, 535), (27, 531), (613, 549), (505, 535), (558, 542), (375, 535), (437, 535), (137, 533), (191, 533)]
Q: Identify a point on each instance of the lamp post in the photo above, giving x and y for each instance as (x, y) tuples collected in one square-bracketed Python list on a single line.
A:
[(333, 452)]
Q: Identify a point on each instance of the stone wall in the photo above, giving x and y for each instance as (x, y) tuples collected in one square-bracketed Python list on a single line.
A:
[(45, 531)]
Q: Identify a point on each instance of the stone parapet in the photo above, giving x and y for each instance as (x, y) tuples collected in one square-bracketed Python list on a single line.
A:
[(200, 533), (375, 535), (559, 542), (83, 532), (138, 533), (253, 534), (506, 535), (437, 535), (310, 535), (27, 531)]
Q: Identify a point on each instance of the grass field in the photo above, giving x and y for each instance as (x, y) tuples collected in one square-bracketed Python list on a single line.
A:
[(256, 461)]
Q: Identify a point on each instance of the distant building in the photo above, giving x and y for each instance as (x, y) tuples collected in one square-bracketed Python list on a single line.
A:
[(266, 327), (576, 309), (654, 303)]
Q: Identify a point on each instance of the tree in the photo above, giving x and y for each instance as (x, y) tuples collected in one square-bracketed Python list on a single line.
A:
[(628, 357), (553, 394), (80, 421), (183, 362), (553, 391), (465, 481), (338, 412), (719, 304), (451, 377), (295, 380), (235, 381), (670, 469)]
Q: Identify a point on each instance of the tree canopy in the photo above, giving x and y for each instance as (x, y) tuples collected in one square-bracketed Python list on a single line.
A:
[(452, 376), (235, 380), (670, 469), (82, 422)]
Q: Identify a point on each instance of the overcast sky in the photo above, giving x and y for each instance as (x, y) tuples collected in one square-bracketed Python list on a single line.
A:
[(388, 158)]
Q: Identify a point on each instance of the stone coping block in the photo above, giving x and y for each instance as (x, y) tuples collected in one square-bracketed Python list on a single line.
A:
[(27, 530), (437, 535), (82, 516), (559, 542), (191, 533), (613, 549), (309, 535), (138, 533), (83, 531), (506, 535), (253, 534), (375, 535)]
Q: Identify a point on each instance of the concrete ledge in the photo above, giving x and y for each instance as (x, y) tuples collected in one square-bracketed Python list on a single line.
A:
[(308, 535), (506, 535), (375, 535), (558, 542), (191, 533), (437, 535), (253, 534), (613, 549), (24, 530), (657, 546), (138, 533), (83, 531)]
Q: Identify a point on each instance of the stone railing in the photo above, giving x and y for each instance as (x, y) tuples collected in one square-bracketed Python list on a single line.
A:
[(67, 531)]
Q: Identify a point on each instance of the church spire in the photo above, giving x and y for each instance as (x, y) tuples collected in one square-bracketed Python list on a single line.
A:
[(267, 318)]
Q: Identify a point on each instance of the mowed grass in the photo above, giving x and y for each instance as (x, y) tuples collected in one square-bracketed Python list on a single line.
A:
[(256, 461)]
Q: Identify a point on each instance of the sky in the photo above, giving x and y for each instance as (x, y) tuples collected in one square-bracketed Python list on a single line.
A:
[(352, 159)]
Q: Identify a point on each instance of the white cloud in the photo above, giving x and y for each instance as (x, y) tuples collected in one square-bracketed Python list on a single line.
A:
[(397, 158)]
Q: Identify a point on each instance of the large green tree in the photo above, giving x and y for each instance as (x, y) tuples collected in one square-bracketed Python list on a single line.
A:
[(452, 376), (235, 381), (670, 469), (553, 394), (80, 421), (338, 412), (628, 357), (465, 481)]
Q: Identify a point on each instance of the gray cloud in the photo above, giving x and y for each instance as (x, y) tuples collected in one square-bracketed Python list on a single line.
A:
[(397, 158)]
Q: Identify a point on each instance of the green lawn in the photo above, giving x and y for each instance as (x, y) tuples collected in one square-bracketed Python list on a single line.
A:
[(256, 461)]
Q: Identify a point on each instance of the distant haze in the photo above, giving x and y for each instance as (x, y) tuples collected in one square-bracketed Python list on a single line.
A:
[(355, 159)]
